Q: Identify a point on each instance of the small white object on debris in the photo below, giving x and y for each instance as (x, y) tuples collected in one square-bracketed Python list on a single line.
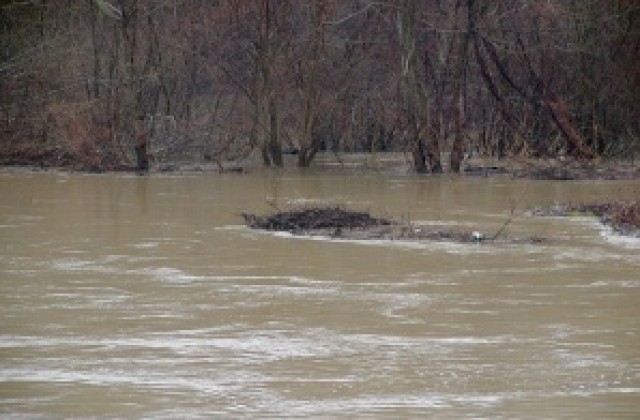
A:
[(477, 236)]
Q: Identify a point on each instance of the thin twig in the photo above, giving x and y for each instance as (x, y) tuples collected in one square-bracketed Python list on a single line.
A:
[(514, 205)]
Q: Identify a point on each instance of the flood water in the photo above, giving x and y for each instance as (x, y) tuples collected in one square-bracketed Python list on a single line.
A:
[(146, 297)]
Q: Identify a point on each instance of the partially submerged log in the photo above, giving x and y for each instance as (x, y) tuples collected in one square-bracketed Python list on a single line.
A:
[(337, 222)]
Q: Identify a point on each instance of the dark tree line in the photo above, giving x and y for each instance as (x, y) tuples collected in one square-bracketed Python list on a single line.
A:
[(105, 83)]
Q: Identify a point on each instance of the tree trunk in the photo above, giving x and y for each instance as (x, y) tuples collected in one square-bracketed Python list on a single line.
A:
[(274, 147), (560, 114), (142, 158), (425, 146), (419, 155), (308, 148), (457, 147), (140, 147)]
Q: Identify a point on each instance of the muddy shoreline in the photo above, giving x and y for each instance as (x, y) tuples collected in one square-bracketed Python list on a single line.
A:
[(386, 163)]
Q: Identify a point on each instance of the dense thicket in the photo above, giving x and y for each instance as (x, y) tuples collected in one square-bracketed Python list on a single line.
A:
[(103, 83)]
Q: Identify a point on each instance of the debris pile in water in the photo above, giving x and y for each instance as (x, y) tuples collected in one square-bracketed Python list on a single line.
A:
[(622, 216), (307, 219), (338, 222)]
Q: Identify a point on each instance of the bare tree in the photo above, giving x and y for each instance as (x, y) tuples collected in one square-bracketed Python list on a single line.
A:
[(423, 138), (436, 78)]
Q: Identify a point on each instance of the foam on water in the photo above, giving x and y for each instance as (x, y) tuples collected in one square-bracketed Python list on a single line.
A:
[(629, 242)]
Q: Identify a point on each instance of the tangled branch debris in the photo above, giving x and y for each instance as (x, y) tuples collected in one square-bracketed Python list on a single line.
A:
[(301, 220), (338, 222), (622, 216)]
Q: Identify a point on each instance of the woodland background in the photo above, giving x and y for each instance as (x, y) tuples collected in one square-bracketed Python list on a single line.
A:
[(100, 84)]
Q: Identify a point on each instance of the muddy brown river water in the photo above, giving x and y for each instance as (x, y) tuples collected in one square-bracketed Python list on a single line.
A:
[(146, 297)]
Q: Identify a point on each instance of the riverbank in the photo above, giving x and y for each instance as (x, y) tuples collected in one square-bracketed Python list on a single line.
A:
[(560, 169), (391, 163)]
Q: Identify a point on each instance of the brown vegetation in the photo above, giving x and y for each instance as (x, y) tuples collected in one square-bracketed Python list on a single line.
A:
[(212, 81)]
